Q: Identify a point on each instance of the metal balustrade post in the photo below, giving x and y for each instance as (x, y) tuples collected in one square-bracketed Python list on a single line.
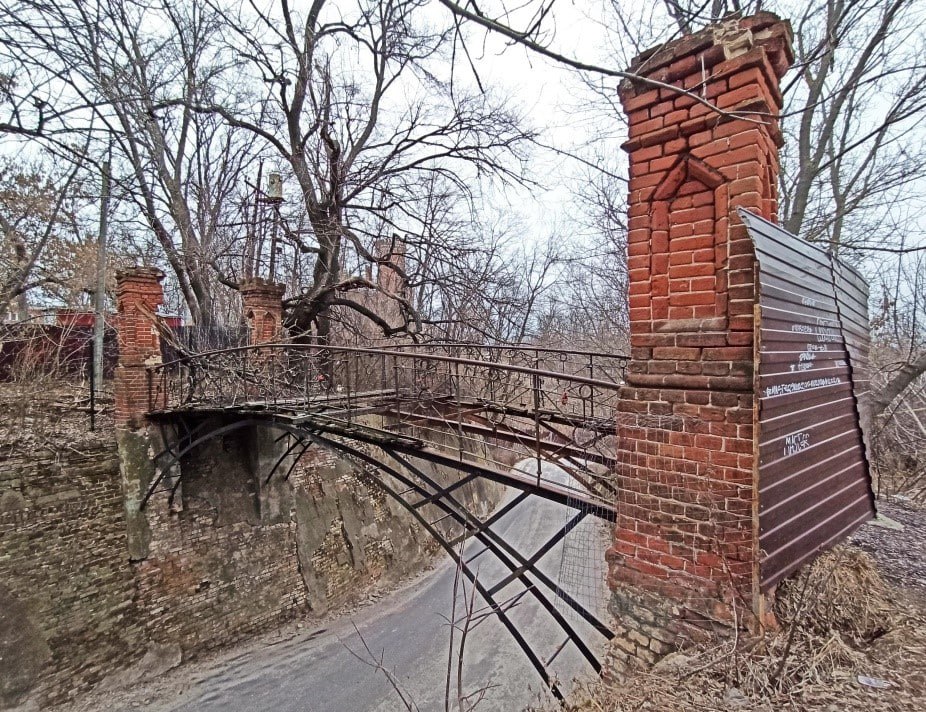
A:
[(459, 410), (382, 383), (349, 386), (535, 383), (273, 385), (591, 374), (250, 368), (395, 370)]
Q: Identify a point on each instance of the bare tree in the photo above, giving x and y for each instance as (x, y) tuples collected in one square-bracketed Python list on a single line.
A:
[(481, 281), (853, 117), (853, 123), (898, 344), (589, 308), (852, 109), (359, 106), (43, 237), (112, 67)]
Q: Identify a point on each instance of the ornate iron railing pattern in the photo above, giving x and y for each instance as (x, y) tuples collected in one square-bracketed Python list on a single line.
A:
[(498, 404)]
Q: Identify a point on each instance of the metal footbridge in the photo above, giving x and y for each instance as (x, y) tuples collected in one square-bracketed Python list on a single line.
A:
[(402, 412)]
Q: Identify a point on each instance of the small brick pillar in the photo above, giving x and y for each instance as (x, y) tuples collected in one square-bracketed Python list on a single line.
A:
[(138, 296), (687, 506), (262, 301)]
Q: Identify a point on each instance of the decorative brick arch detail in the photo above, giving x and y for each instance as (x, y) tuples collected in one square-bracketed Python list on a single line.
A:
[(688, 168), (262, 302), (688, 256), (263, 325)]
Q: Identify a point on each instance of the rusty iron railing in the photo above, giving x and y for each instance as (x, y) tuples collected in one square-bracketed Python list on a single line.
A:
[(422, 422), (502, 405)]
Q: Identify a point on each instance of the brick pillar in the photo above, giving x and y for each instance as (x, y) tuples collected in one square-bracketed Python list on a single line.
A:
[(262, 301), (138, 296), (687, 510), (387, 278)]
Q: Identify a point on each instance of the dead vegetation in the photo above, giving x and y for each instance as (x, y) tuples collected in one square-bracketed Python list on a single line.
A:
[(51, 412), (45, 389), (847, 641)]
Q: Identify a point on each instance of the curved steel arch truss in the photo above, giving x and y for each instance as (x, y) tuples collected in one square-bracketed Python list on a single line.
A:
[(171, 455), (419, 490)]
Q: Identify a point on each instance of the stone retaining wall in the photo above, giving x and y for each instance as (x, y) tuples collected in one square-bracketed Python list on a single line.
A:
[(89, 585), (67, 612)]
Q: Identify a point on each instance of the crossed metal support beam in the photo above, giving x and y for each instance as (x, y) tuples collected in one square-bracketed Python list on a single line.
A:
[(474, 527), (419, 489), (521, 568)]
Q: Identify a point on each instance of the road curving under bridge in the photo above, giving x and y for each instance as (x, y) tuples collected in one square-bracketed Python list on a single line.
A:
[(332, 668)]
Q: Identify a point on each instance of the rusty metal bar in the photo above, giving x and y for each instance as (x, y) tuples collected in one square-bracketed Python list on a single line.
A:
[(471, 575), (508, 555), (529, 564), (444, 491), (608, 385)]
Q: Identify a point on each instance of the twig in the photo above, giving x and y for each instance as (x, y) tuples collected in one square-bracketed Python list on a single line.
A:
[(377, 664)]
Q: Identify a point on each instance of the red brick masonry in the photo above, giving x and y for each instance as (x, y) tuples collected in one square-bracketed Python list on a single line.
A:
[(687, 523), (263, 308), (138, 296)]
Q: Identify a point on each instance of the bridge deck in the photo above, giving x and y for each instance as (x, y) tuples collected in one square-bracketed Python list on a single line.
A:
[(476, 411), (324, 422), (479, 410)]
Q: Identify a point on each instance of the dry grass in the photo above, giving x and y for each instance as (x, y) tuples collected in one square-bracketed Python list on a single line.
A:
[(45, 389), (838, 620), (842, 592), (48, 411)]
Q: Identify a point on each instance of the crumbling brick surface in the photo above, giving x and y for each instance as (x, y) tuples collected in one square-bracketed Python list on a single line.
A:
[(233, 557), (63, 563)]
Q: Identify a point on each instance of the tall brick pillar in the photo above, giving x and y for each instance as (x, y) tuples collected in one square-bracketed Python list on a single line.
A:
[(262, 301), (686, 531), (138, 296)]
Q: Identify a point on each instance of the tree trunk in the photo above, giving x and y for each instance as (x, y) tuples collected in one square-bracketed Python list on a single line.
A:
[(908, 373)]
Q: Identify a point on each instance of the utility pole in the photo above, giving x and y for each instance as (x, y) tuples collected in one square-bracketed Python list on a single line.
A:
[(99, 322)]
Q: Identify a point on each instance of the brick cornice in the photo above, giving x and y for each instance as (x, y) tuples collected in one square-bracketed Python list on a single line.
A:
[(667, 63)]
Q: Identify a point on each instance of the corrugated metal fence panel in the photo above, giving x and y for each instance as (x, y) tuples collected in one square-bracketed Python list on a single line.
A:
[(814, 484), (852, 292)]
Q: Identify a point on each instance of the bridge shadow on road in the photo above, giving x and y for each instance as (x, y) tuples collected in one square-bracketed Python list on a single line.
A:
[(408, 632)]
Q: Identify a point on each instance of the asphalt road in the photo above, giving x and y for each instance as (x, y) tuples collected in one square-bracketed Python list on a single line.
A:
[(330, 670)]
